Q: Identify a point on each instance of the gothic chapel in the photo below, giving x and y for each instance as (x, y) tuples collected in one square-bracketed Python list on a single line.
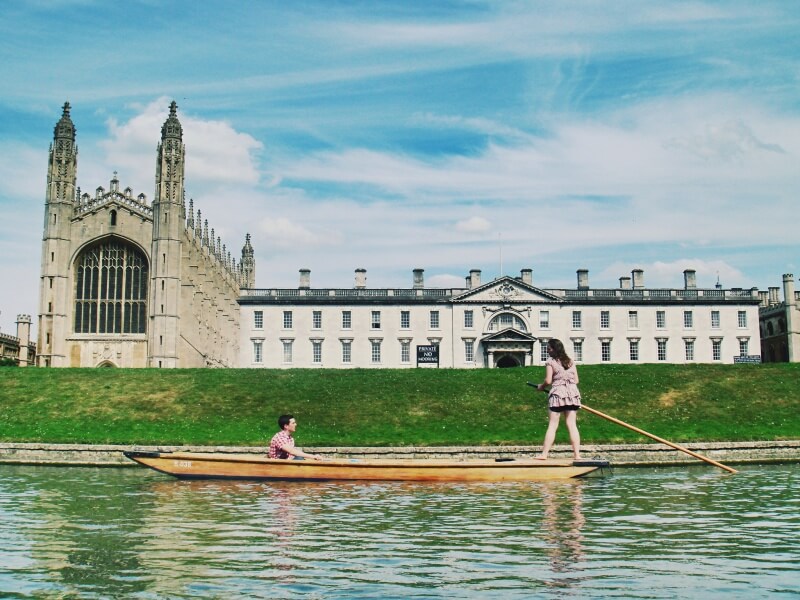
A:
[(126, 283)]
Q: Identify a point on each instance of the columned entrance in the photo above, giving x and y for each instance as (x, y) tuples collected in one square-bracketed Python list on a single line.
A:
[(508, 348)]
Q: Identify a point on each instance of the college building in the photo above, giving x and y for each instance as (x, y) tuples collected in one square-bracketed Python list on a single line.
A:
[(127, 282)]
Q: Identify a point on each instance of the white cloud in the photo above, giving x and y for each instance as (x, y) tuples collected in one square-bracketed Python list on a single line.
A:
[(215, 152), (473, 225)]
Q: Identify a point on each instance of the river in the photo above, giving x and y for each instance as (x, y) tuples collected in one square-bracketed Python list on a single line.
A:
[(687, 532)]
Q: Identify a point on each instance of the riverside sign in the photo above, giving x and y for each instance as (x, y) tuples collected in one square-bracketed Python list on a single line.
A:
[(428, 355)]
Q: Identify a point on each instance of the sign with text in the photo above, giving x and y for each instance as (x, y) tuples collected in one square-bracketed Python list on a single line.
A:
[(747, 358), (427, 355)]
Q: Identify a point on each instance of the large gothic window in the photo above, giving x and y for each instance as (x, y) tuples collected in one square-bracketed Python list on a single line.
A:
[(506, 320), (111, 289)]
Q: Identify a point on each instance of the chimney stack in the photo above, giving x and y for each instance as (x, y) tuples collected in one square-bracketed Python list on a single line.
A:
[(689, 279), (624, 283), (583, 279), (638, 279), (475, 278), (361, 279), (773, 296), (763, 298), (419, 279), (305, 279), (527, 276)]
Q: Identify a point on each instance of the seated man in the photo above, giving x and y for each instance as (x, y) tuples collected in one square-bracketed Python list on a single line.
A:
[(282, 444)]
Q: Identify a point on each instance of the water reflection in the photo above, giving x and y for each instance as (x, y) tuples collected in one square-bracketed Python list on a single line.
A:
[(100, 533)]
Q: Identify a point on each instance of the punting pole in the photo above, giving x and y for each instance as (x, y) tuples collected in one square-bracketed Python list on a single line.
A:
[(658, 439)]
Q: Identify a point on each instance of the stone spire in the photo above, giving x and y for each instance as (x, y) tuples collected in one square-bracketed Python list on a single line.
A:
[(65, 129), (248, 264)]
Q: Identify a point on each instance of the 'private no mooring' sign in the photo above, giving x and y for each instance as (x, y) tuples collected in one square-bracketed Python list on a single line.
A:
[(427, 355)]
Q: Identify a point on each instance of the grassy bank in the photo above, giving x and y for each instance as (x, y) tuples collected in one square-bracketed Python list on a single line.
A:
[(393, 407)]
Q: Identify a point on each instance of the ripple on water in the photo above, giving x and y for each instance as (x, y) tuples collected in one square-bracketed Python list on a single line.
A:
[(649, 533)]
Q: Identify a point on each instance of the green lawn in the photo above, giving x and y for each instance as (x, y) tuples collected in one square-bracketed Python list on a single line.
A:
[(366, 407)]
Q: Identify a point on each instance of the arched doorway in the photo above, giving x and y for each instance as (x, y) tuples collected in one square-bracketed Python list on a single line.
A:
[(507, 361)]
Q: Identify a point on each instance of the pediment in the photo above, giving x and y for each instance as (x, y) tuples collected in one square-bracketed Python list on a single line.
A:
[(509, 335), (505, 290)]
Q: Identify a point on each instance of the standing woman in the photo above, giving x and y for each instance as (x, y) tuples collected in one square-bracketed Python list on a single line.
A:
[(562, 377)]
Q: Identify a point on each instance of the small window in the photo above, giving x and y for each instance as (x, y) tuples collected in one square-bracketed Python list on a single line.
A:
[(405, 352), (376, 319), (347, 319), (113, 218), (347, 355), (716, 349), (544, 319), (742, 319), (405, 319), (258, 356), (316, 348), (689, 347), (287, 351), (661, 319), (258, 319), (469, 319), (688, 319), (662, 349), (715, 319), (376, 351), (743, 348), (469, 351), (577, 322), (577, 351), (317, 319), (434, 319), (634, 347), (287, 319), (633, 319), (605, 351), (543, 355), (605, 319)]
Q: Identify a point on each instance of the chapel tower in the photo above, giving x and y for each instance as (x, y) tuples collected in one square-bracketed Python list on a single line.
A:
[(248, 264), (169, 215), (54, 296)]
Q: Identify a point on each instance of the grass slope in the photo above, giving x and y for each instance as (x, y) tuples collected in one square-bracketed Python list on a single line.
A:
[(366, 407)]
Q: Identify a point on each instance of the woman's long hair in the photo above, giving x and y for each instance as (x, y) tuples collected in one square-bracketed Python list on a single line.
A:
[(560, 354)]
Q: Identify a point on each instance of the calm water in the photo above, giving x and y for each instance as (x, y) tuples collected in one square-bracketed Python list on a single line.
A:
[(640, 533)]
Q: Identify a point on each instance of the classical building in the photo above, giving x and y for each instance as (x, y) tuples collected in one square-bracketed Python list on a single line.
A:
[(501, 323), (780, 323), (131, 284), (19, 348)]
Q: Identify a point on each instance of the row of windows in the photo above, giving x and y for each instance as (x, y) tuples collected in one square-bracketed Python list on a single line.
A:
[(661, 319), (347, 319), (633, 350), (469, 351), (503, 320), (346, 351)]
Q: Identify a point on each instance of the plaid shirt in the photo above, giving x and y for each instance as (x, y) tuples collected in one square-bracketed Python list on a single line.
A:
[(280, 440)]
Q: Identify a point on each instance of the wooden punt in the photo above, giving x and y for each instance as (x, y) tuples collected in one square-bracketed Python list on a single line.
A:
[(198, 465)]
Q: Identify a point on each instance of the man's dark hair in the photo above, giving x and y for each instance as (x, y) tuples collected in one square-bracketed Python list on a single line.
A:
[(284, 420)]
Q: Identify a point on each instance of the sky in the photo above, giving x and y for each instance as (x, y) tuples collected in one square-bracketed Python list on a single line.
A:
[(446, 136)]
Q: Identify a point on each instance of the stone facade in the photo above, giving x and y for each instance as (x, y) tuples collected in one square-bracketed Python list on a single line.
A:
[(505, 322), (780, 323), (129, 284)]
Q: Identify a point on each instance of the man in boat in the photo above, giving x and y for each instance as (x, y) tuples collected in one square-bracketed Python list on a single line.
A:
[(282, 444)]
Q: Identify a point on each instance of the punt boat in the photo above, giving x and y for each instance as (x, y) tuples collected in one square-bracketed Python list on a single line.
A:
[(202, 465)]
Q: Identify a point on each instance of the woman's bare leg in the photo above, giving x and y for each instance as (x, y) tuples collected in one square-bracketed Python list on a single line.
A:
[(574, 434), (550, 436)]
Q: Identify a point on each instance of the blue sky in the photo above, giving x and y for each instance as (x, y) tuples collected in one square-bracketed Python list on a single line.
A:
[(439, 135)]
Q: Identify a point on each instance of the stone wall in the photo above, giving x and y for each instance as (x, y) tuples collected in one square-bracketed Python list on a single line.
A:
[(618, 455)]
